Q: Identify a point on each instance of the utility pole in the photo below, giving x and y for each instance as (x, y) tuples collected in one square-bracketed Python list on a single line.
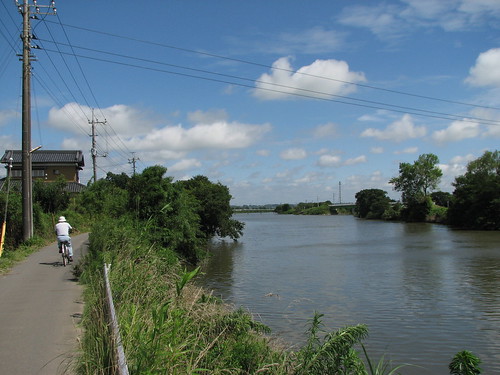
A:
[(340, 192), (132, 161), (94, 149), (27, 184)]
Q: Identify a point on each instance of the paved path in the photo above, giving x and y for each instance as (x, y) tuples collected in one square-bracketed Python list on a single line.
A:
[(40, 307)]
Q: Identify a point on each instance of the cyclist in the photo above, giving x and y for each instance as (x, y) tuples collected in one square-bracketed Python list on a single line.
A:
[(62, 232)]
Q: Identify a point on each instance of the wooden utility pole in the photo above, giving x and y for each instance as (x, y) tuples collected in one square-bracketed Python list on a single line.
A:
[(94, 144), (26, 125), (26, 9), (132, 161)]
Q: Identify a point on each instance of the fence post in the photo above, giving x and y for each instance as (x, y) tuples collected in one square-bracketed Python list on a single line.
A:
[(115, 329)]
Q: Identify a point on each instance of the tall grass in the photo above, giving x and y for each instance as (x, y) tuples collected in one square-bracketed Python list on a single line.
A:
[(168, 326)]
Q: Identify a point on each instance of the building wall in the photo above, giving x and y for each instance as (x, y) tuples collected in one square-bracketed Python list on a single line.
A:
[(50, 173)]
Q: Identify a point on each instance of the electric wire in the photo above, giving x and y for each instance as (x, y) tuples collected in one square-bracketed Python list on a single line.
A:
[(80, 67), (282, 69), (368, 104), (70, 72), (372, 102)]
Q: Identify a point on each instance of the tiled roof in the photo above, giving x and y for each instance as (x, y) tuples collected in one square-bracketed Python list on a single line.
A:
[(46, 157), (15, 185)]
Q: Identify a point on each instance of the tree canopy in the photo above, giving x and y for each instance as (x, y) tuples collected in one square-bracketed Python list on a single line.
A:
[(372, 203), (476, 199), (415, 182)]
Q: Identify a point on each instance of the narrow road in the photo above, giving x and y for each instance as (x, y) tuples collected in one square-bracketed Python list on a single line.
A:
[(40, 308)]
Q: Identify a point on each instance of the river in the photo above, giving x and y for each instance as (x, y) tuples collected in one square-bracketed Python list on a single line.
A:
[(425, 291)]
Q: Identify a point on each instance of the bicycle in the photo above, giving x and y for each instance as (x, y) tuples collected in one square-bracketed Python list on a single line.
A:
[(65, 253)]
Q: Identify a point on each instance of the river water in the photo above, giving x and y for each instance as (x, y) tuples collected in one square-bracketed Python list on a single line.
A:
[(425, 291)]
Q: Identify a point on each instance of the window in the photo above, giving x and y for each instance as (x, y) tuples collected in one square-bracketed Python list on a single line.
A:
[(38, 173)]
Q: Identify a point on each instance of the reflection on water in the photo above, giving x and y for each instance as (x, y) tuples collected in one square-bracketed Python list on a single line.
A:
[(425, 291)]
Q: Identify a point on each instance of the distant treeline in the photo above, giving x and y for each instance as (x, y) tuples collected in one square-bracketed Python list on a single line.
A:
[(474, 204)]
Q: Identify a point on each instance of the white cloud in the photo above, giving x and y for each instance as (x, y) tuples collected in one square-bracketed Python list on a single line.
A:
[(329, 161), (293, 154), (456, 167), (389, 21), (356, 160), (310, 80), (7, 115), (486, 72), (382, 19), (124, 120), (409, 150), (208, 117), (398, 131), (185, 164), (312, 41), (325, 131), (219, 135), (7, 143), (263, 152), (377, 150), (457, 131)]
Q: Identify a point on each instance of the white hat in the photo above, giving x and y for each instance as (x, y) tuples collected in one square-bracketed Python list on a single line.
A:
[(62, 218)]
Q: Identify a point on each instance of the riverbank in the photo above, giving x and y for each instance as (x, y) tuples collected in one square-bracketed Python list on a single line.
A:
[(169, 325)]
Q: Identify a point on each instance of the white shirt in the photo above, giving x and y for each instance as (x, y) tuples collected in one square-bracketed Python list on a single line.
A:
[(62, 229)]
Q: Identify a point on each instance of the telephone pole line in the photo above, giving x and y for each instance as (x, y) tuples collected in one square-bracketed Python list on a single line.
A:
[(26, 9), (132, 161), (93, 150)]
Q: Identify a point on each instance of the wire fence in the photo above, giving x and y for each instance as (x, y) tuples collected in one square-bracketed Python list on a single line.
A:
[(120, 360)]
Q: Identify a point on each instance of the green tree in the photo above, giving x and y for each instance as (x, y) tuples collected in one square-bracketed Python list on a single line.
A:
[(51, 196), (213, 208), (103, 197), (283, 208), (476, 199), (14, 220), (415, 182), (372, 203), (168, 213), (441, 198)]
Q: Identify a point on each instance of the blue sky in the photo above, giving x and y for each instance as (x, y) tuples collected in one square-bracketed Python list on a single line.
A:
[(279, 100)]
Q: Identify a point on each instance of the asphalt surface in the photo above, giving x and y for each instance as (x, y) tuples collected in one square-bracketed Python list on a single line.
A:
[(41, 306)]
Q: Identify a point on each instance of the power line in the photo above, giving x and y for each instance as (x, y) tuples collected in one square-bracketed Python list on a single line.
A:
[(354, 101), (427, 97)]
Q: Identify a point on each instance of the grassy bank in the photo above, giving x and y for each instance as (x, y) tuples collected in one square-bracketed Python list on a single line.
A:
[(170, 326)]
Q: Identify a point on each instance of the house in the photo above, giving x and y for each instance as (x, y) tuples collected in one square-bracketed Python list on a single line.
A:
[(47, 165)]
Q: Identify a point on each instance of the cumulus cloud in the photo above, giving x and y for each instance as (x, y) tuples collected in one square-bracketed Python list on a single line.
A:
[(389, 21), (208, 117), (286, 83), (486, 71), (326, 130), (7, 115), (219, 135), (263, 152), (185, 164), (408, 150), (312, 41), (125, 120), (293, 154), (329, 161), (457, 131), (377, 150), (397, 131), (356, 160)]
